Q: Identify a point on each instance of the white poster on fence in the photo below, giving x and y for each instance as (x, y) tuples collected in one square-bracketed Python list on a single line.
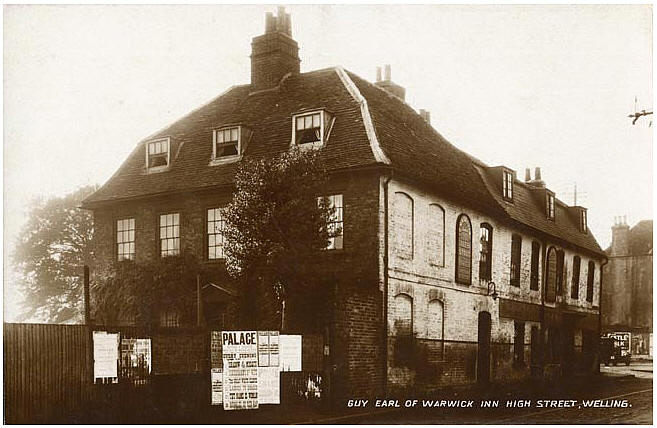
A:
[(240, 360), (106, 354), (268, 349), (269, 386), (216, 377), (290, 352)]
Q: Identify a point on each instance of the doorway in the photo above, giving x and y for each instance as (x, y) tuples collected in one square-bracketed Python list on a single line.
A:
[(483, 348)]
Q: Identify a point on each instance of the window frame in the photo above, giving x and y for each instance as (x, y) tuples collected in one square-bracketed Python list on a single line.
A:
[(583, 226), (331, 246), (230, 158), (488, 267), (160, 168), (322, 129), (207, 236), (116, 239), (590, 279), (441, 262), (507, 185), (456, 253), (158, 231), (551, 277), (534, 269), (550, 205), (574, 283), (515, 280)]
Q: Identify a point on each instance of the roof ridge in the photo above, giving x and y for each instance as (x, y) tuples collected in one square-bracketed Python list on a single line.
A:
[(351, 87)]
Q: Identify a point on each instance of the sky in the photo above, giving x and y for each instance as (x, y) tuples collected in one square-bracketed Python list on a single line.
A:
[(520, 86)]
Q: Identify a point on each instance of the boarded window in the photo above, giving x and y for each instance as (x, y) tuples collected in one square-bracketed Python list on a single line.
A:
[(533, 280), (574, 287), (589, 281), (435, 322), (402, 223), (485, 251), (519, 344), (551, 279), (463, 250), (516, 249), (403, 315), (436, 235)]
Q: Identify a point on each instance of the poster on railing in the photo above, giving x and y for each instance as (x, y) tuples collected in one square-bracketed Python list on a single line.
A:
[(268, 349), (269, 385), (215, 350), (106, 355), (290, 352), (240, 361), (217, 379)]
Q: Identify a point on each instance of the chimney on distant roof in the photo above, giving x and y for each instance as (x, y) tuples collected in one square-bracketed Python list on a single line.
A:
[(275, 53), (528, 175), (536, 182), (425, 115), (388, 84), (620, 237)]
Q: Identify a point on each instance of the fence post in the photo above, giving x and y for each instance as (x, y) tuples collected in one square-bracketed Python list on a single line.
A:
[(87, 311)]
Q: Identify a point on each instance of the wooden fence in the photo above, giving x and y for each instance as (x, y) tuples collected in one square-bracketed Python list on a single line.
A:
[(47, 372)]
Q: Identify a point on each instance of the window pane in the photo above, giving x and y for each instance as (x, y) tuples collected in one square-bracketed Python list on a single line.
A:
[(316, 121), (299, 122)]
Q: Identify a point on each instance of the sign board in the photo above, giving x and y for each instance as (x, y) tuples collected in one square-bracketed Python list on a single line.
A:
[(106, 355), (215, 350), (268, 349), (240, 369), (269, 385), (216, 378), (290, 352)]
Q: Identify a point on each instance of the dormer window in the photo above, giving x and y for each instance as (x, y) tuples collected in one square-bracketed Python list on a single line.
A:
[(582, 222), (227, 143), (158, 154), (549, 205), (311, 128), (507, 185)]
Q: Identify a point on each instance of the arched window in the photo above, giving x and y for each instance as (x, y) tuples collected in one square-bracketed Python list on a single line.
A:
[(551, 279), (574, 287), (402, 223), (436, 235), (463, 250), (436, 313), (485, 251), (403, 315), (589, 281)]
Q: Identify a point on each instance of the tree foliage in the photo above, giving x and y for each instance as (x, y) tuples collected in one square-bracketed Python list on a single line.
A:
[(139, 293), (278, 224), (53, 246)]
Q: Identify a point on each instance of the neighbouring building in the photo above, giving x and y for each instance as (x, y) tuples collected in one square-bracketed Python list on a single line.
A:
[(448, 271), (627, 289)]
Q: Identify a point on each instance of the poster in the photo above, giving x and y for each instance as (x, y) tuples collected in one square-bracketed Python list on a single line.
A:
[(240, 369), (215, 350), (268, 349), (290, 352), (269, 385), (216, 378), (106, 355)]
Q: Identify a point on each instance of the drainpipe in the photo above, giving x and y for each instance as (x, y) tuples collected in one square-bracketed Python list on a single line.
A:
[(543, 287), (597, 348), (385, 283)]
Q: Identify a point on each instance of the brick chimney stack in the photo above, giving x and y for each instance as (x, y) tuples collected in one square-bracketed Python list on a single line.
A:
[(620, 237), (388, 84), (536, 182), (274, 54)]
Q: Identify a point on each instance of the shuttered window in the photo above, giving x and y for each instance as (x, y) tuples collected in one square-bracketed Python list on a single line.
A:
[(463, 250), (551, 279)]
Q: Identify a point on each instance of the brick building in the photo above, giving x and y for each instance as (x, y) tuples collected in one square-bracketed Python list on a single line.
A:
[(627, 291), (449, 271)]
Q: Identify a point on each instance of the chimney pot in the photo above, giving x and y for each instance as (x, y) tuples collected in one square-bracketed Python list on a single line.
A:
[(528, 175), (387, 73), (537, 173), (378, 74), (425, 115)]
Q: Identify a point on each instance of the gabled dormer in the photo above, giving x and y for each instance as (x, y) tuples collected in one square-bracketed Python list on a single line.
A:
[(580, 215), (229, 143), (311, 128), (543, 196), (505, 178), (158, 154)]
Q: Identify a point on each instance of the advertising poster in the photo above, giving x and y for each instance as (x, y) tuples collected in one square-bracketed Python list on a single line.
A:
[(106, 355), (268, 349), (269, 385), (290, 352), (215, 350), (216, 378), (240, 360)]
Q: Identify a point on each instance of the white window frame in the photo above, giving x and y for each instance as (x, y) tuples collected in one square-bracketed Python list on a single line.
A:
[(316, 144), (509, 195), (121, 229), (583, 221), (226, 159), (220, 212), (336, 219), (166, 227), (161, 167), (551, 213)]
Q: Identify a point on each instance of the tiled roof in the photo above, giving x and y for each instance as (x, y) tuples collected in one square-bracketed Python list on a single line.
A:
[(641, 238), (409, 145)]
